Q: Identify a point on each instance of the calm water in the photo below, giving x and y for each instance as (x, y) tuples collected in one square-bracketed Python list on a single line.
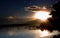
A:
[(25, 33)]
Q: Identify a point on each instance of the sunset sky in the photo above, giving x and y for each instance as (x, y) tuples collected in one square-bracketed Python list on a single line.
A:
[(15, 8)]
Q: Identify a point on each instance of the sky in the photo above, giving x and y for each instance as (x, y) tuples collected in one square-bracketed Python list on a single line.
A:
[(10, 7), (16, 7)]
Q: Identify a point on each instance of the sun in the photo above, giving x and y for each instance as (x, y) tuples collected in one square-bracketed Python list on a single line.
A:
[(42, 15)]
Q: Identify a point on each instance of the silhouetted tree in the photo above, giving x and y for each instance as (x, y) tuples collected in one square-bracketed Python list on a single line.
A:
[(56, 15)]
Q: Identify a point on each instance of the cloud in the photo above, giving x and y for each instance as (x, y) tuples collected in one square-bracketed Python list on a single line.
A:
[(32, 8), (37, 8)]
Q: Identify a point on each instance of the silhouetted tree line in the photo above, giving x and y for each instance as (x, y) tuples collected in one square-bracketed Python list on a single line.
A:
[(56, 16)]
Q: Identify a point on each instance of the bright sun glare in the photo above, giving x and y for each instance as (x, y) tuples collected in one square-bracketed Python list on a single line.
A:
[(42, 15), (44, 33)]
